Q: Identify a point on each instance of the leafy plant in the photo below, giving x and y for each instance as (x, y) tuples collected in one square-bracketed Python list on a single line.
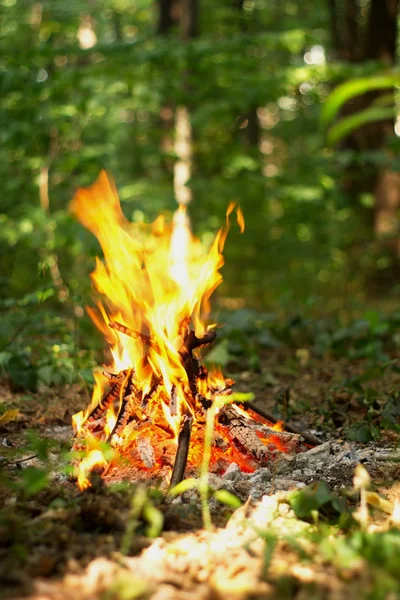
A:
[(349, 90)]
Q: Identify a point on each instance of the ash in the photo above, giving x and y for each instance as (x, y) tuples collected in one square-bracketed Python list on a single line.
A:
[(331, 462)]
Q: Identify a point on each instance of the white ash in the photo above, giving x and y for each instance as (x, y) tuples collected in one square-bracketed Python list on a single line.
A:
[(332, 462)]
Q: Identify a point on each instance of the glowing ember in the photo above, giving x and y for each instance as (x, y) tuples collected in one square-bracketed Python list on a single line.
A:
[(155, 284)]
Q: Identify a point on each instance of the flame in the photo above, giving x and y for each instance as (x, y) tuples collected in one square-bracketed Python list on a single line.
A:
[(153, 283), (93, 460)]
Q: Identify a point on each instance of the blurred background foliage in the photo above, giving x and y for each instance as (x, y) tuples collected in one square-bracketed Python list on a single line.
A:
[(98, 84)]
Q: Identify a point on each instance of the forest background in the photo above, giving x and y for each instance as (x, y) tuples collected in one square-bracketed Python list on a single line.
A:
[(202, 102)]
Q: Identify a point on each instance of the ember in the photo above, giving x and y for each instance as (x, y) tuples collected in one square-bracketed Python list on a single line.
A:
[(150, 404)]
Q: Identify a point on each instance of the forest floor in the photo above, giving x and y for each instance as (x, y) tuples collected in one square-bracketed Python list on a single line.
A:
[(318, 541)]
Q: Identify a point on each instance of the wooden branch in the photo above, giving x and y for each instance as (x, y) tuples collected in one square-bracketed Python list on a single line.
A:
[(147, 397), (310, 439), (192, 341), (125, 412), (109, 398), (178, 471), (146, 339)]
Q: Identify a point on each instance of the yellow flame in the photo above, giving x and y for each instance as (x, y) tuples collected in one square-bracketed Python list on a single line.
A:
[(153, 282), (93, 459)]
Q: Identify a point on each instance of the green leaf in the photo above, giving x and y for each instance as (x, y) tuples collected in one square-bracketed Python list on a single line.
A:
[(309, 499), (360, 432), (242, 396), (154, 518), (353, 88), (45, 374), (349, 124), (227, 498), (22, 373), (39, 446), (33, 480), (183, 486)]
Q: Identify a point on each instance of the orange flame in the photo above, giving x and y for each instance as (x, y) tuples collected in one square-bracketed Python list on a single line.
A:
[(154, 281)]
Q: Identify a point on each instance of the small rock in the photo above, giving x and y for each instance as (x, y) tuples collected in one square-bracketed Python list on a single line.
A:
[(304, 475)]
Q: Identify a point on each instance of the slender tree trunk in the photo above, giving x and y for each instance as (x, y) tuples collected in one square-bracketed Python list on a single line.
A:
[(253, 129), (183, 127), (168, 17)]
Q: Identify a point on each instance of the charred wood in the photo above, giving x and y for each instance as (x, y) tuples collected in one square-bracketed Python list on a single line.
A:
[(255, 438), (126, 411), (310, 439), (143, 337), (178, 471), (108, 399), (146, 451), (147, 397)]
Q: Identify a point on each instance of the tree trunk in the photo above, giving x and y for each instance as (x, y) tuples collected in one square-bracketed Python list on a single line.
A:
[(168, 17), (183, 125), (253, 128)]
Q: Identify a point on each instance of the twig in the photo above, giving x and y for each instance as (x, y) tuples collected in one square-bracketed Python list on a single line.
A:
[(178, 471), (146, 339), (17, 462), (389, 457), (311, 439)]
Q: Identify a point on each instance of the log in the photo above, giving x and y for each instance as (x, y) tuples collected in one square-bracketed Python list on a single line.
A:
[(246, 433), (173, 404), (147, 397), (310, 439)]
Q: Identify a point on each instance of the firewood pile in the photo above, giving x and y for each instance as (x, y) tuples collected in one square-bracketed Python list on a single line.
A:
[(241, 433)]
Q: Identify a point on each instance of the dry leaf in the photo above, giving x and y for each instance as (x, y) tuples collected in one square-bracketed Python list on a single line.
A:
[(10, 415), (380, 503)]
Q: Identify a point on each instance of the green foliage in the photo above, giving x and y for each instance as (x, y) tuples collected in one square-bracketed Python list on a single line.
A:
[(142, 507), (347, 125), (350, 90), (317, 499), (355, 87), (33, 480), (69, 111)]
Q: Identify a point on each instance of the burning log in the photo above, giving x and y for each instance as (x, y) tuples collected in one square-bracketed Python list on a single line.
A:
[(256, 439), (310, 439), (125, 410)]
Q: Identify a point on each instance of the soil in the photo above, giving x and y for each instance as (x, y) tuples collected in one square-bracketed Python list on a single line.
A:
[(61, 543)]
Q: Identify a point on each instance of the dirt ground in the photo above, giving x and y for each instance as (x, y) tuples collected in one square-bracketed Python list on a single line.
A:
[(57, 542)]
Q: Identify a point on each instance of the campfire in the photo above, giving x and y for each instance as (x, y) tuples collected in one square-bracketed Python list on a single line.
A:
[(151, 402)]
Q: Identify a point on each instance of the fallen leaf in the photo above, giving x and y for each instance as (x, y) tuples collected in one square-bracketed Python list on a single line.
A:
[(10, 415), (380, 503)]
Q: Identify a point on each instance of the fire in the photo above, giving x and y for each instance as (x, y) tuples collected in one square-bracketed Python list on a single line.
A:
[(155, 285), (94, 459)]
